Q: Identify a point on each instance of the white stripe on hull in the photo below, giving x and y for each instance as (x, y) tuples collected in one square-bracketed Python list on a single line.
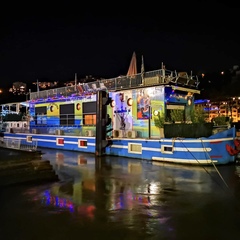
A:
[(188, 161), (175, 149), (179, 140)]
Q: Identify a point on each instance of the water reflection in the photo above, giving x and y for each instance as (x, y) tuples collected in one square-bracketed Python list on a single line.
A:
[(132, 192), (119, 198)]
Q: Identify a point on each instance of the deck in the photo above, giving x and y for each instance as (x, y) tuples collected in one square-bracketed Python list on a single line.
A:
[(152, 78)]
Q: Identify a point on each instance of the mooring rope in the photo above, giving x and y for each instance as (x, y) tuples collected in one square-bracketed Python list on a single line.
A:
[(211, 162), (215, 166)]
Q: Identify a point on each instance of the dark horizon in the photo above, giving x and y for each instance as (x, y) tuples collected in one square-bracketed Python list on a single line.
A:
[(55, 42)]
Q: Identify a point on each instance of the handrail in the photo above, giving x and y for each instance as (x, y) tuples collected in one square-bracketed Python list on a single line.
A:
[(81, 90)]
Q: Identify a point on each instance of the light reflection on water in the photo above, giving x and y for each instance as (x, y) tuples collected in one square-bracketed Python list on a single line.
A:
[(119, 198)]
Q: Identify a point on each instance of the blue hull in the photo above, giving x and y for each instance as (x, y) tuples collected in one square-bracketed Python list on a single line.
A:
[(203, 151)]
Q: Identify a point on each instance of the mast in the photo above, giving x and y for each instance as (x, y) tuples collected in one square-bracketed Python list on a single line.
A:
[(75, 82)]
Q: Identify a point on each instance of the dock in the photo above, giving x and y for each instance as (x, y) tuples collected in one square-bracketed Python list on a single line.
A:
[(21, 162), (24, 171)]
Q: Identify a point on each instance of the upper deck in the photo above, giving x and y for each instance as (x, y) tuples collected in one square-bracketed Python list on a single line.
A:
[(146, 79)]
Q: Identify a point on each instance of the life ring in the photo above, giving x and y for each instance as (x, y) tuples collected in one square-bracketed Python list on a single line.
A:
[(237, 143), (231, 150)]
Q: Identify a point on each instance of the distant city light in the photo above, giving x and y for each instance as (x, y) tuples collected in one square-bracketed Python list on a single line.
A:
[(18, 88), (44, 85)]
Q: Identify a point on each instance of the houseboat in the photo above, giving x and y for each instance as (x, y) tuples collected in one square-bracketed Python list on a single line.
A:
[(130, 116)]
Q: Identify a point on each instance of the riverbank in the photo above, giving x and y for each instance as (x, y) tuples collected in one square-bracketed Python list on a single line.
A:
[(18, 171)]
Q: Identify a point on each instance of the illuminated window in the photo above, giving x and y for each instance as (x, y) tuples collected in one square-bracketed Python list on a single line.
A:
[(89, 113), (89, 119)]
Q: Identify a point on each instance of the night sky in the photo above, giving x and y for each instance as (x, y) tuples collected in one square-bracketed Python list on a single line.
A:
[(43, 41)]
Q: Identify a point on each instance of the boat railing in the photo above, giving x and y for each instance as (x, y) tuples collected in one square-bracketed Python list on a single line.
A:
[(15, 126), (19, 144), (220, 128), (12, 143), (65, 124), (152, 78)]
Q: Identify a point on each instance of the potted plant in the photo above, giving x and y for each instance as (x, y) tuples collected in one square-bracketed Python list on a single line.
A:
[(177, 115), (159, 121), (195, 128), (198, 115), (221, 121)]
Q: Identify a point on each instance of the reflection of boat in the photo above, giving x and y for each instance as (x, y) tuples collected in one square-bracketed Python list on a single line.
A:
[(76, 120), (127, 184), (186, 178)]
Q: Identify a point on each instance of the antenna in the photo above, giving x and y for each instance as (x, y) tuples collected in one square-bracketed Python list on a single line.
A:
[(75, 81)]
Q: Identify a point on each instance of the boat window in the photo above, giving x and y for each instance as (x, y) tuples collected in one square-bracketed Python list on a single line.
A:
[(67, 116), (41, 110), (167, 149), (135, 148), (89, 113), (89, 119)]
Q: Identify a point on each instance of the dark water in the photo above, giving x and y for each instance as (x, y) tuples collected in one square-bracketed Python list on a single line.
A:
[(119, 198)]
